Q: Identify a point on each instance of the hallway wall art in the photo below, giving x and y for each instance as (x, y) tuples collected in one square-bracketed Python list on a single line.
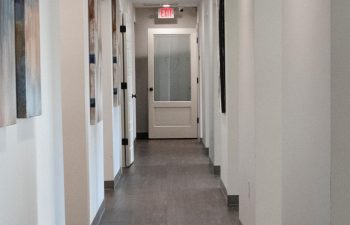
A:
[(95, 51), (7, 64), (116, 58), (28, 77), (222, 55)]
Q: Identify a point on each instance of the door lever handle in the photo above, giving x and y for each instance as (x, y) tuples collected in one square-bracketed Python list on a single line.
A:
[(133, 96), (151, 89)]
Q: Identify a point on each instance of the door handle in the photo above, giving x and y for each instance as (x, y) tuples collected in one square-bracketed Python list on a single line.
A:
[(151, 89), (133, 96)]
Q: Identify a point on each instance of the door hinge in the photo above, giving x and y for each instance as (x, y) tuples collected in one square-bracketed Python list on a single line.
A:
[(115, 60), (199, 57), (125, 141), (198, 120), (124, 85), (197, 80), (92, 103), (122, 29), (197, 40), (92, 59)]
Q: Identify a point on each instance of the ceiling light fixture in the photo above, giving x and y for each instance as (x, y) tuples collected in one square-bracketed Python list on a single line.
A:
[(166, 6)]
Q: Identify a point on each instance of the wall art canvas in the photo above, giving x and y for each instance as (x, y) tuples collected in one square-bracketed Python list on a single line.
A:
[(28, 77), (95, 51), (117, 59), (222, 55), (7, 64)]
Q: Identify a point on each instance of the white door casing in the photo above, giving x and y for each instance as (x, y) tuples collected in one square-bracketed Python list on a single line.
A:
[(128, 100), (169, 116)]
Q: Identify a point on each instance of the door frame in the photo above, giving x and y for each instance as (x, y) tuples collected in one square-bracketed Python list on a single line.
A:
[(194, 71)]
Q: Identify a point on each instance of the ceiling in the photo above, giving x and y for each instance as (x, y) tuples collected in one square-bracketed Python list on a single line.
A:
[(150, 3)]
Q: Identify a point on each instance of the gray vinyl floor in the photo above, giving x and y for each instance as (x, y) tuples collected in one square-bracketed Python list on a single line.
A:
[(170, 183)]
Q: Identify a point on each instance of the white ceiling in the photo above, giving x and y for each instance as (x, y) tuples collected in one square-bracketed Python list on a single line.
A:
[(183, 3)]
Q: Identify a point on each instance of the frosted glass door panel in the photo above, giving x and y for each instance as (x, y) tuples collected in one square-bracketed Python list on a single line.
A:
[(172, 67)]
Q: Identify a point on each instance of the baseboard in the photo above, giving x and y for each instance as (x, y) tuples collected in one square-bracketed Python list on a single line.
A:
[(142, 136), (217, 170), (201, 140), (232, 200), (112, 184), (99, 214), (206, 151)]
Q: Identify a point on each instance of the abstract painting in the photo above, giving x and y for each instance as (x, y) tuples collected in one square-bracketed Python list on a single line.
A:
[(95, 51), (7, 64), (114, 46), (28, 78), (116, 59), (222, 54)]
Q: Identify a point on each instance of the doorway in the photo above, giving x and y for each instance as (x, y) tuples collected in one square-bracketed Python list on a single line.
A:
[(172, 83)]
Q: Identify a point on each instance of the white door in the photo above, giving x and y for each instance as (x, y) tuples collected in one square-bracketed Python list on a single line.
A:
[(128, 101), (172, 83)]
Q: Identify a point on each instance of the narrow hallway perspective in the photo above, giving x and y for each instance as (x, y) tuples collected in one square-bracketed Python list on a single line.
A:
[(170, 183)]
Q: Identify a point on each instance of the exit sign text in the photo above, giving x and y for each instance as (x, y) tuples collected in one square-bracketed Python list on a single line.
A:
[(166, 13)]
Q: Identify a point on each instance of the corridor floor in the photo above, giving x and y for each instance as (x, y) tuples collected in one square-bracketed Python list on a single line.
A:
[(170, 183)]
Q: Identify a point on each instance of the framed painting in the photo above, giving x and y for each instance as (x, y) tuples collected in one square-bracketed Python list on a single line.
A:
[(28, 77), (117, 59), (7, 64), (222, 54), (95, 51)]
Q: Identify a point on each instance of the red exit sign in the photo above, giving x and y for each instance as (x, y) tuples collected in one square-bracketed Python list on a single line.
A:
[(166, 13)]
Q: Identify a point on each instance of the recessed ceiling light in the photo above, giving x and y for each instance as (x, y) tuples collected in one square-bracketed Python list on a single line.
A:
[(166, 5)]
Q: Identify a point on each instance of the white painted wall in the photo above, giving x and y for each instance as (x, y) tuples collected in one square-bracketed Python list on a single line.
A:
[(284, 112), (268, 111), (229, 123), (107, 84), (340, 175), (306, 111), (82, 142), (206, 78), (246, 113), (31, 157), (75, 109), (220, 131), (96, 137), (117, 140), (96, 168), (112, 117)]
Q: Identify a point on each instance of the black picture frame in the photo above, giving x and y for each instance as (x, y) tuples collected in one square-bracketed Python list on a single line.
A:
[(222, 54)]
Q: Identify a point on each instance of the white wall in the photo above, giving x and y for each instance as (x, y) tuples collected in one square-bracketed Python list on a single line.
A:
[(306, 98), (284, 112), (229, 125), (206, 76), (117, 141), (246, 106), (112, 117), (31, 160), (96, 168), (82, 142), (107, 84), (268, 111), (96, 134), (220, 129), (340, 112)]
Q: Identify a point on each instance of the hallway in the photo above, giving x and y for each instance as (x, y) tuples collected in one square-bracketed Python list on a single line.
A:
[(170, 183)]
